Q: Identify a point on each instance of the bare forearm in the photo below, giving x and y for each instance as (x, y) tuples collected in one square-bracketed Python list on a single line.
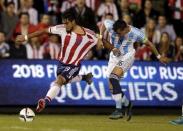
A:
[(153, 48), (107, 45), (102, 29), (37, 33), (99, 44), (162, 59)]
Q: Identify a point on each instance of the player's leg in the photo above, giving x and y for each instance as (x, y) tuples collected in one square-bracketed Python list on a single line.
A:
[(64, 74), (88, 78), (116, 92), (178, 121), (52, 92), (123, 64)]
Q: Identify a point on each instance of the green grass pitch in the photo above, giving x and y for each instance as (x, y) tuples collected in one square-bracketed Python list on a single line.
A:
[(88, 123)]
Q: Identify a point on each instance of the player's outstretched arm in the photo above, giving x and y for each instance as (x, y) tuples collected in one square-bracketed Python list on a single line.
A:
[(22, 38), (162, 59)]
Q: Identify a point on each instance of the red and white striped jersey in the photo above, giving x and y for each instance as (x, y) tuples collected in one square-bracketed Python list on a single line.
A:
[(74, 46)]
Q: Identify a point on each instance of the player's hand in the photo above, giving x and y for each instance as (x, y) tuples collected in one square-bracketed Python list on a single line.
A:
[(20, 38), (116, 52), (164, 60)]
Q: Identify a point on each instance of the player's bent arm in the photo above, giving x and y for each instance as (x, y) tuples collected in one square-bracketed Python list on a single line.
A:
[(162, 59), (107, 45), (99, 44), (102, 30)]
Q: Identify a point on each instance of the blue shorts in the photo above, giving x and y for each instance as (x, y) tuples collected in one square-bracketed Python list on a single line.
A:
[(67, 71)]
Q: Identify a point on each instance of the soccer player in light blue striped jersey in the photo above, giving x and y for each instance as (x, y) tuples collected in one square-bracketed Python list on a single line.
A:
[(122, 55)]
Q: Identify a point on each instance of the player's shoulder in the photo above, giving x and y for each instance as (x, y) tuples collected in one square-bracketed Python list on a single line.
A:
[(136, 30), (89, 31), (60, 26), (57, 29)]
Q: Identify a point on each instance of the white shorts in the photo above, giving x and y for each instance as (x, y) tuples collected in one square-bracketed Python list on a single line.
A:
[(124, 61)]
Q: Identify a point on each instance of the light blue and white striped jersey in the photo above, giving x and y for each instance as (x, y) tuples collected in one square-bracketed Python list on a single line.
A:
[(125, 43)]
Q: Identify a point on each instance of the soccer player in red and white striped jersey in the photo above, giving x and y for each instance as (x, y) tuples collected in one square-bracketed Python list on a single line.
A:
[(75, 46), (76, 42)]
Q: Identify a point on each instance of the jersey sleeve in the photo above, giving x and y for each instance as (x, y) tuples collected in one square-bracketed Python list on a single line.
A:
[(141, 37), (95, 38), (58, 29), (91, 35), (109, 25)]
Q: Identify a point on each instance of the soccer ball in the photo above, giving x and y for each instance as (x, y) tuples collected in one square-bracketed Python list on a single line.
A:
[(26, 115)]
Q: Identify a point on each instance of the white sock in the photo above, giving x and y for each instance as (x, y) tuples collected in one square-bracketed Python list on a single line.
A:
[(125, 101), (117, 99), (78, 78), (182, 110), (53, 91)]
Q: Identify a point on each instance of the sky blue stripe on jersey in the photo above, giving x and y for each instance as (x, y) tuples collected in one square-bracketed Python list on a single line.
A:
[(120, 41), (113, 39), (117, 45), (139, 33), (125, 48), (125, 44)]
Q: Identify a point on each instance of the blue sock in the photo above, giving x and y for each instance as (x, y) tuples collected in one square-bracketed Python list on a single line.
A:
[(117, 93)]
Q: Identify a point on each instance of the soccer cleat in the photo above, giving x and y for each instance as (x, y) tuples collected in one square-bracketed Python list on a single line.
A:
[(41, 105), (117, 114), (128, 111), (88, 78), (178, 121)]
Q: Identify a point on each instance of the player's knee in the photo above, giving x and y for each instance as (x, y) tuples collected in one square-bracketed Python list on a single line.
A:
[(114, 80), (113, 76), (60, 80), (118, 71), (54, 83)]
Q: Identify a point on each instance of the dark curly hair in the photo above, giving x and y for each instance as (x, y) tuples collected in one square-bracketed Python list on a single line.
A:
[(119, 24)]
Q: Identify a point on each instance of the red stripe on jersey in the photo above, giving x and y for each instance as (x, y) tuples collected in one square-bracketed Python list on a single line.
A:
[(66, 43), (89, 31), (58, 57), (89, 36), (81, 52), (79, 39)]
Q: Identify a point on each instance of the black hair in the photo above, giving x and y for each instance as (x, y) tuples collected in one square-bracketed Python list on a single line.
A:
[(23, 13), (68, 15), (10, 3), (143, 3), (119, 24)]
